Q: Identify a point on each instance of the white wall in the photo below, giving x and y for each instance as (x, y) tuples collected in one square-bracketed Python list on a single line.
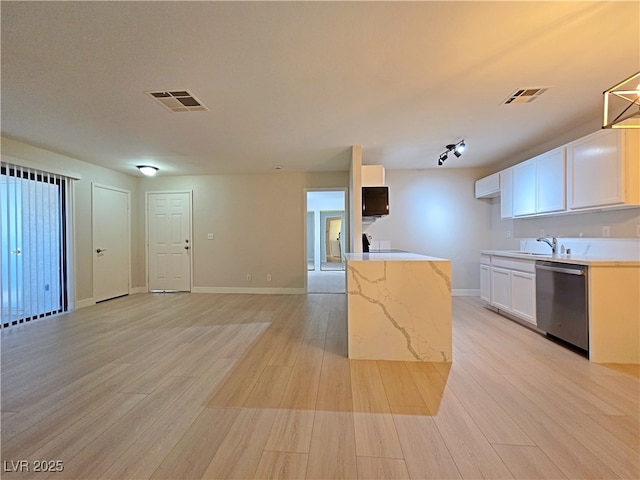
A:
[(622, 223), (258, 222), (82, 238), (434, 212)]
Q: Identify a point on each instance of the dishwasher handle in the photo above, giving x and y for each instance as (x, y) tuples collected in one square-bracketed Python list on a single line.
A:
[(570, 271)]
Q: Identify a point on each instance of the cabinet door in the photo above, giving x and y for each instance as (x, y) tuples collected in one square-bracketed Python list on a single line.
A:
[(485, 283), (501, 288), (488, 186), (551, 183), (523, 295), (506, 193), (524, 188), (595, 170)]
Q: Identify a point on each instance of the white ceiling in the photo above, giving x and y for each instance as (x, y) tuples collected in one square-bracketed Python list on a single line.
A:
[(297, 83)]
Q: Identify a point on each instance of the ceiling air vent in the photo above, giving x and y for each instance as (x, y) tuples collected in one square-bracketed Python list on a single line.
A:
[(525, 95), (178, 100)]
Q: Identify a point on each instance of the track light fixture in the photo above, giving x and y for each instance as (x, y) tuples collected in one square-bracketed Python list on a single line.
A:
[(456, 148)]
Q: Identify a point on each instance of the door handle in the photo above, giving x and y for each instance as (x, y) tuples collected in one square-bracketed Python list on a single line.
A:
[(100, 250), (17, 251)]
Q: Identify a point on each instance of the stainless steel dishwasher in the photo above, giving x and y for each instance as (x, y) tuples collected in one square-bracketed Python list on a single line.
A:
[(562, 303)]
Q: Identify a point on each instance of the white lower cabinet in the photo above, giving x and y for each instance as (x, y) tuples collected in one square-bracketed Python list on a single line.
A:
[(485, 283), (501, 288), (485, 278), (523, 295), (509, 284)]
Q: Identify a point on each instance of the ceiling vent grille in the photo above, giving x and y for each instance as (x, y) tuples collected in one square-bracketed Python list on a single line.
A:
[(178, 100), (525, 95)]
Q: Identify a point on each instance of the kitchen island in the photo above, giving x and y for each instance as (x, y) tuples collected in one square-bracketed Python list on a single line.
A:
[(399, 307)]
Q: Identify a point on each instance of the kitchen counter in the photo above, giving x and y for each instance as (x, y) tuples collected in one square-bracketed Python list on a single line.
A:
[(391, 256), (399, 307), (589, 260), (613, 283)]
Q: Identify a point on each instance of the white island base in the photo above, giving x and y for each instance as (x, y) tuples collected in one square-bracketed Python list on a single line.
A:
[(399, 307)]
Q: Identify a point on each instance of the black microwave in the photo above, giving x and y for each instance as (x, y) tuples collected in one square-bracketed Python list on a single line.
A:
[(375, 201)]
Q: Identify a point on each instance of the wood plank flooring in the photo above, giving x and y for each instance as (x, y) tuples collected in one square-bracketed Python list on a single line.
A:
[(197, 386)]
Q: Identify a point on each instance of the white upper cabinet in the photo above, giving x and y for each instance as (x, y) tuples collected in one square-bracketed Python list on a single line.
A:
[(488, 187), (539, 184), (372, 176), (551, 182), (603, 169), (524, 188), (506, 193)]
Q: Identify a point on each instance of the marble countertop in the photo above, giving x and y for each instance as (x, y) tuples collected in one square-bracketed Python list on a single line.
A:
[(590, 260), (391, 257)]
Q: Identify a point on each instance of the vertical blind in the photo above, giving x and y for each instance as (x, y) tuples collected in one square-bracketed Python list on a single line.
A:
[(33, 239)]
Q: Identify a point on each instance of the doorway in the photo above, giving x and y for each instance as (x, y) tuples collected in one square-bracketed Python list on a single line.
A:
[(326, 239), (331, 241), (169, 243)]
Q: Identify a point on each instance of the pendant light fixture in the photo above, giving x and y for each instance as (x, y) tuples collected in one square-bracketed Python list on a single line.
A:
[(622, 104)]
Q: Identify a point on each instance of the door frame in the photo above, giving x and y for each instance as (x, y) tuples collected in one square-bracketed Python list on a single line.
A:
[(93, 219), (345, 227), (146, 233)]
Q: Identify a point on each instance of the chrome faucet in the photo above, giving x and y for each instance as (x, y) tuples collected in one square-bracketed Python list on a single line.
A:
[(553, 244)]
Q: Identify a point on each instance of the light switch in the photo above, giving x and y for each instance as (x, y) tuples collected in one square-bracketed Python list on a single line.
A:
[(209, 236)]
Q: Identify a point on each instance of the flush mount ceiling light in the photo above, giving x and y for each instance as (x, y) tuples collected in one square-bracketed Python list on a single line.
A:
[(456, 148), (148, 170), (622, 104)]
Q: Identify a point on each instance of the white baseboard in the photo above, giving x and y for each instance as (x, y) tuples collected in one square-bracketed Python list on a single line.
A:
[(85, 302), (260, 291), (465, 292)]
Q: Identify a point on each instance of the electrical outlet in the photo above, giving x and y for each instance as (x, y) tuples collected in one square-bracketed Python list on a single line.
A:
[(606, 231), (248, 277), (542, 232), (508, 233), (209, 236), (268, 277)]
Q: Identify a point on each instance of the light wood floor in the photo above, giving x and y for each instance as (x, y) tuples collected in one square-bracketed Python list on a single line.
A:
[(183, 386)]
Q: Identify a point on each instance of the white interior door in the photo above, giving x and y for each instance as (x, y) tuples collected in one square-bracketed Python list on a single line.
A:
[(111, 242), (169, 248)]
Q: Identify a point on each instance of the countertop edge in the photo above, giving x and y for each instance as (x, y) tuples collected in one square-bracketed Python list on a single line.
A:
[(575, 259), (392, 257)]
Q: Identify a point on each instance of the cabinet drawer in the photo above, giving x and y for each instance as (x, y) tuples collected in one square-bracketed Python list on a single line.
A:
[(514, 264), (485, 259)]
